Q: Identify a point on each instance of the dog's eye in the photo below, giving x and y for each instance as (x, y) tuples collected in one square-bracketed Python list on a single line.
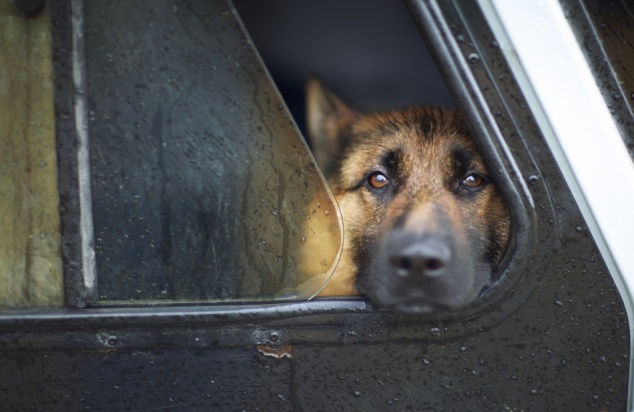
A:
[(474, 180), (378, 180)]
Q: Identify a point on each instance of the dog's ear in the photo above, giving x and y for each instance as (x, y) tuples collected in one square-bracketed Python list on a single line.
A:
[(326, 116)]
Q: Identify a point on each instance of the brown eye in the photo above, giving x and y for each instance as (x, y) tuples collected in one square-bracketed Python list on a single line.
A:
[(378, 180), (473, 180)]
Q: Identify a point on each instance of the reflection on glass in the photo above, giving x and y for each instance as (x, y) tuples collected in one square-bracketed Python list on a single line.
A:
[(203, 189), (30, 254)]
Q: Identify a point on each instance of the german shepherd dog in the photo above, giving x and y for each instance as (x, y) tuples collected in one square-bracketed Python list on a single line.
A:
[(425, 228)]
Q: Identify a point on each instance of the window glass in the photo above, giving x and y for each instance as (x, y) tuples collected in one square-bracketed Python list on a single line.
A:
[(30, 257), (202, 188), (605, 30)]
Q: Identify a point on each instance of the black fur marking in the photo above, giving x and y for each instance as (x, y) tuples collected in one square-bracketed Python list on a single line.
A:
[(362, 258), (494, 248), (390, 126), (462, 160), (344, 139), (390, 161), (426, 123)]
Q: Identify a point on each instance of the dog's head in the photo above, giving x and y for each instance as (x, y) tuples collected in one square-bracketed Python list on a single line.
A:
[(424, 224)]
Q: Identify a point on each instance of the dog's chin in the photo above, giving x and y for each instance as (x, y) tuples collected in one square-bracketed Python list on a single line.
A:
[(421, 299), (420, 308), (424, 306)]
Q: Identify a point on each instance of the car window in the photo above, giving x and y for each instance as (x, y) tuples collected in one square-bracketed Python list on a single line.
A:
[(604, 30), (182, 175)]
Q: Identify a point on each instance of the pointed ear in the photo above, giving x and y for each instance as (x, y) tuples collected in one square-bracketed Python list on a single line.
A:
[(326, 115)]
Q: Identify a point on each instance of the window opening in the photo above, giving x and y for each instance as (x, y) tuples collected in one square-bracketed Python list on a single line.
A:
[(371, 53)]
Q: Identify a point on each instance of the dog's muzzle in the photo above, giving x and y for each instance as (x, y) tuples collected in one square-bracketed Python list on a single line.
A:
[(422, 273)]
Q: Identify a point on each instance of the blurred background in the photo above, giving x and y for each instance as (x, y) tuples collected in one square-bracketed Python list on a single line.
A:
[(368, 52)]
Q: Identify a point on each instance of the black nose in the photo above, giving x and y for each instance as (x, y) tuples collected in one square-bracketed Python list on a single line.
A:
[(428, 257)]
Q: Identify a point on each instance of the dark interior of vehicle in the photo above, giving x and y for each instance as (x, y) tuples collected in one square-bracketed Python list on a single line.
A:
[(369, 53)]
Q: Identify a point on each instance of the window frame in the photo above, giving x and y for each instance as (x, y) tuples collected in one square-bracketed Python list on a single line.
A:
[(452, 59), (71, 129), (570, 126)]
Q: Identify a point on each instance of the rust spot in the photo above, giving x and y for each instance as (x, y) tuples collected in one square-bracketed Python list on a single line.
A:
[(278, 352)]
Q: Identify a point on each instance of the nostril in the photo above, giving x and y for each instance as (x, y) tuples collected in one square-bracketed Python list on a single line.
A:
[(434, 264), (402, 264), (434, 267)]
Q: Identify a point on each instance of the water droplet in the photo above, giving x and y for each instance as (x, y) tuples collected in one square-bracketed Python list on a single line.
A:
[(435, 332), (533, 179), (473, 58)]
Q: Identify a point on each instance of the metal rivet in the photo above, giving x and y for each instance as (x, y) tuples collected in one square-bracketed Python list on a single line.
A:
[(274, 336), (112, 340)]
